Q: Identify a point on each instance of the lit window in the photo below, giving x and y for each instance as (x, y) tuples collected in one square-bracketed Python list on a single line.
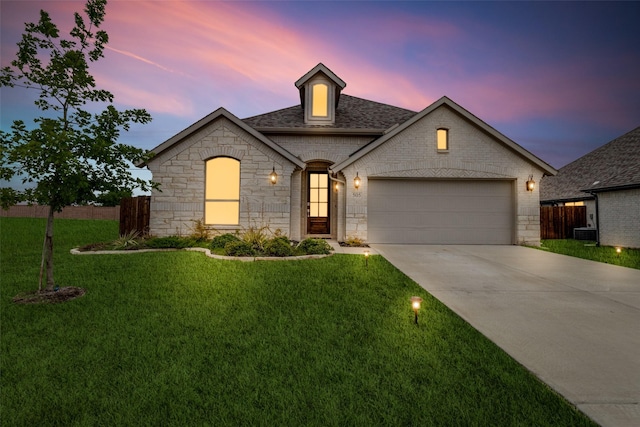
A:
[(574, 204), (222, 191), (318, 195), (320, 97), (442, 139)]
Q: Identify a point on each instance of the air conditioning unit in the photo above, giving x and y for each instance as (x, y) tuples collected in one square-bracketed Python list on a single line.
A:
[(584, 233)]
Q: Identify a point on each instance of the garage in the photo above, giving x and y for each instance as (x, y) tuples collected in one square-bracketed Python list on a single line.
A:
[(448, 212)]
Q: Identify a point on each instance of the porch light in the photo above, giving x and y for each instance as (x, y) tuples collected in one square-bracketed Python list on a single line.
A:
[(415, 305), (357, 181), (531, 184), (273, 176)]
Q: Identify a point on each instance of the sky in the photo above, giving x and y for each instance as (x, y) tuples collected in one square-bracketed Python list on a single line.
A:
[(558, 78)]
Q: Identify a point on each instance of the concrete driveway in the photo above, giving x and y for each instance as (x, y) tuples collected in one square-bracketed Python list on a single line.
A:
[(573, 323)]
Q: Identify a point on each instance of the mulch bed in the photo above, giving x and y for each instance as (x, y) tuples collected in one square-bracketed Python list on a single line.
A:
[(66, 293)]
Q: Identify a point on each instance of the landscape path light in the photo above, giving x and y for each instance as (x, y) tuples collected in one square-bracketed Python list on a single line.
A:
[(618, 250), (366, 259), (415, 305)]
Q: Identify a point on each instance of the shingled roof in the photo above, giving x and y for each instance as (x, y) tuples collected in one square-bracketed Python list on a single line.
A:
[(615, 165), (352, 114)]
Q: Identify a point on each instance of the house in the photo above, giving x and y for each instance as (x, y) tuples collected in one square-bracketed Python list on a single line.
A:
[(607, 181), (337, 166)]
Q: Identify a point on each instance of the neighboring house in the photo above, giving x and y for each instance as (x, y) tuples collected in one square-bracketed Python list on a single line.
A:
[(607, 181), (336, 166)]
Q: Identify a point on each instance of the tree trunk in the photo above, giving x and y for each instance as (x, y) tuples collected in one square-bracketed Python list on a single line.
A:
[(47, 254)]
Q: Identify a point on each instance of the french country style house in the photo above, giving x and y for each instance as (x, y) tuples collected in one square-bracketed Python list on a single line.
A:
[(337, 166)]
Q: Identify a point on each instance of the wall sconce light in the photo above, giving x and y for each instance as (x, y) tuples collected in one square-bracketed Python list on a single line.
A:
[(357, 181), (273, 176), (531, 184), (415, 305), (366, 259), (336, 186)]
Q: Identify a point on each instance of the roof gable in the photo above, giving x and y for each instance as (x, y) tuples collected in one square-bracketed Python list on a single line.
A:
[(461, 111), (320, 68), (221, 112)]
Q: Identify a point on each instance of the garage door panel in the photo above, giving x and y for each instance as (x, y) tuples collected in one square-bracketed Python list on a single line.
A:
[(440, 212)]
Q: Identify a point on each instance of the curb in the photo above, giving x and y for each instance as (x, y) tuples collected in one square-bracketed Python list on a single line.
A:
[(204, 251)]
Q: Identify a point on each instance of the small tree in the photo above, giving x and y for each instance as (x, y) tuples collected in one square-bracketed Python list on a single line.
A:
[(70, 154)]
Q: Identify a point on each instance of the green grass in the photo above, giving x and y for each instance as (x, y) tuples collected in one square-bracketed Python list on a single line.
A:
[(180, 339), (588, 250)]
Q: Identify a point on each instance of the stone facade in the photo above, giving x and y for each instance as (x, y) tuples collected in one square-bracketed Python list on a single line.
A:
[(362, 137), (180, 171), (619, 213)]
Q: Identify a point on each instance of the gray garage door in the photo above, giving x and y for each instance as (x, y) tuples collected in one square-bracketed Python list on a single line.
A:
[(440, 212)]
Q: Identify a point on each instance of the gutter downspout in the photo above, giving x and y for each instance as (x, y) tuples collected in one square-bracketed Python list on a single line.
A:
[(595, 196), (330, 173)]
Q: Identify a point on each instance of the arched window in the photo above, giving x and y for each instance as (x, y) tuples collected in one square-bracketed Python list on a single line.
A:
[(320, 99), (222, 191)]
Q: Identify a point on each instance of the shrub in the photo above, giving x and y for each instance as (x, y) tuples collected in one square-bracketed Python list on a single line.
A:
[(127, 241), (278, 246), (315, 246), (199, 231), (239, 248), (257, 237), (170, 242), (219, 242), (354, 241)]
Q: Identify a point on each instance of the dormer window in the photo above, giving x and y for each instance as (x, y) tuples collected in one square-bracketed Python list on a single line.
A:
[(319, 95), (320, 99)]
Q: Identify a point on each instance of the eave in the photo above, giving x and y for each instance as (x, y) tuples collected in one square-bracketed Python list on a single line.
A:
[(548, 169), (320, 131), (222, 112)]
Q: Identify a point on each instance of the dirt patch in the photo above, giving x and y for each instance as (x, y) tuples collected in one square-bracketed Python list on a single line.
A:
[(66, 293)]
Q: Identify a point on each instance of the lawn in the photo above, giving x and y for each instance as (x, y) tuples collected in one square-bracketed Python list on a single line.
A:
[(181, 339), (588, 250)]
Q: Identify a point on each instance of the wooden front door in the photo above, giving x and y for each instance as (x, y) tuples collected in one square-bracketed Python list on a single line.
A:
[(318, 203)]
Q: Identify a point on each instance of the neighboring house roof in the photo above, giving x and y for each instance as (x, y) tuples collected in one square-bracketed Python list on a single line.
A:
[(613, 166), (445, 101), (221, 112), (352, 115)]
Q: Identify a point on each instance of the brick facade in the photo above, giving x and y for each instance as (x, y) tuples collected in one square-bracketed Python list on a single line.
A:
[(472, 154), (619, 213)]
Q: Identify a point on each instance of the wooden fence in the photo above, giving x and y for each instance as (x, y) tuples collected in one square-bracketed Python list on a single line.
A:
[(558, 222), (134, 215), (70, 212)]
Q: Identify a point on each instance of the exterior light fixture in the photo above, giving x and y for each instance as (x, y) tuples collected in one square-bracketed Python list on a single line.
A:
[(357, 181), (273, 176), (366, 259), (336, 186), (531, 184), (415, 305), (618, 250)]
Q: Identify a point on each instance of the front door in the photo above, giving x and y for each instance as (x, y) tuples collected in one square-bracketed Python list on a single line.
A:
[(318, 203)]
